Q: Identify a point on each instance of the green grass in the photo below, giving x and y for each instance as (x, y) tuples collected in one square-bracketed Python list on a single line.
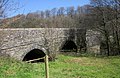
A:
[(63, 67)]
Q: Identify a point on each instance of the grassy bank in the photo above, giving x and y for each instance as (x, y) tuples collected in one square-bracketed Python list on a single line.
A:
[(63, 67)]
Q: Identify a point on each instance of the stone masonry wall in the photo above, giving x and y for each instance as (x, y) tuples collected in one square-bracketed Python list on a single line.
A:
[(18, 42), (93, 39)]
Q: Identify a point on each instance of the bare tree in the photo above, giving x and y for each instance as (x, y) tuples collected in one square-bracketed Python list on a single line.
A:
[(100, 11), (8, 7), (3, 7), (105, 14), (116, 13)]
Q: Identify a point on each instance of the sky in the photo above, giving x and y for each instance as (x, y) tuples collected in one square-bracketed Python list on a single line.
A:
[(27, 6)]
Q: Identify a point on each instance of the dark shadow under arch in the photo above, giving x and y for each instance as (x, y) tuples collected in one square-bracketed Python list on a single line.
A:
[(34, 54), (69, 46)]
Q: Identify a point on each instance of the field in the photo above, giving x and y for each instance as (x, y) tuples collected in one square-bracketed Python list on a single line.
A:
[(63, 67)]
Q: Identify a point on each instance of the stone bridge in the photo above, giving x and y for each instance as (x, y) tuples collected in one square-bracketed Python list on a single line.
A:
[(27, 42)]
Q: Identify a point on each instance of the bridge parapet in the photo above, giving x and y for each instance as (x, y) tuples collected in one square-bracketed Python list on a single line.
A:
[(16, 42)]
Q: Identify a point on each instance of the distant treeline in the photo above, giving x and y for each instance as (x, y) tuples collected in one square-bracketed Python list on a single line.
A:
[(57, 17), (100, 15)]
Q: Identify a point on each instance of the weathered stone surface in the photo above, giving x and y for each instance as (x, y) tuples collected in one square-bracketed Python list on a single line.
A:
[(18, 42), (93, 39)]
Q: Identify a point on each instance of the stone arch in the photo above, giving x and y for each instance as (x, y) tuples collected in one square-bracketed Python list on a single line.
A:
[(33, 48), (34, 54), (68, 45)]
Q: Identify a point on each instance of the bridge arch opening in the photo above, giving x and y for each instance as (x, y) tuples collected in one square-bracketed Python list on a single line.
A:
[(69, 46), (34, 54)]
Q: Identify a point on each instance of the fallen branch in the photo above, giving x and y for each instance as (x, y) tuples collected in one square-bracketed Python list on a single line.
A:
[(35, 59)]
